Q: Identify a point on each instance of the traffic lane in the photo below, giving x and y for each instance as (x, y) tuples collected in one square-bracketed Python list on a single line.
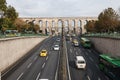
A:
[(76, 74), (50, 67), (93, 70), (19, 71), (35, 69), (22, 67)]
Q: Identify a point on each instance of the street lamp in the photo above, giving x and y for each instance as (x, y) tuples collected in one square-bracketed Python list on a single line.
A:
[(1, 13)]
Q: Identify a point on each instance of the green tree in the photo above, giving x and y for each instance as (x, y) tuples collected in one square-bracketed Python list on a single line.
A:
[(5, 24), (3, 5), (11, 13)]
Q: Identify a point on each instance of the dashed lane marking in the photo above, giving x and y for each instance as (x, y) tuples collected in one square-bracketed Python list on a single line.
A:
[(86, 53), (43, 65), (20, 76), (91, 59), (71, 50), (47, 58), (76, 53), (29, 65), (35, 57), (38, 76), (89, 51), (97, 66), (99, 79), (88, 77)]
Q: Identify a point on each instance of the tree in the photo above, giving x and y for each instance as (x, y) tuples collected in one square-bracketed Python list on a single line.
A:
[(5, 24), (36, 28), (90, 26), (3, 5), (108, 20), (20, 25), (11, 13), (31, 26)]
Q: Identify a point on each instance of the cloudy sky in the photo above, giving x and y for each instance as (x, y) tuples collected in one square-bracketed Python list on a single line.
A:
[(62, 8)]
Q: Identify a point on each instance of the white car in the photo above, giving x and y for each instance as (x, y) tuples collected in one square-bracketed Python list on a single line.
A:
[(80, 62), (56, 47)]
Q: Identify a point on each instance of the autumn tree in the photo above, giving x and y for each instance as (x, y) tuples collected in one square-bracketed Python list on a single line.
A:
[(90, 26), (108, 20), (21, 26), (36, 28), (11, 13)]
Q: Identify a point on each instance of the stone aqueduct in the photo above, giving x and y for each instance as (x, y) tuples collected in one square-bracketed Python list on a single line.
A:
[(49, 24)]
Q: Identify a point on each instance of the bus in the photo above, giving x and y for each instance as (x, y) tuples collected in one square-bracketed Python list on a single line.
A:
[(85, 42), (110, 66)]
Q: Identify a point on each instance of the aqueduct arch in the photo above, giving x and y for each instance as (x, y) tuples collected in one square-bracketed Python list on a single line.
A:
[(71, 24)]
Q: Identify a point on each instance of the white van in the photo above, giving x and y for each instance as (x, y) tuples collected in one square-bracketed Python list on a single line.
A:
[(80, 62)]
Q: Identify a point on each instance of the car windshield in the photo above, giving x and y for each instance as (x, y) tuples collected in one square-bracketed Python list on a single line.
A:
[(58, 39), (43, 51), (56, 46), (81, 61)]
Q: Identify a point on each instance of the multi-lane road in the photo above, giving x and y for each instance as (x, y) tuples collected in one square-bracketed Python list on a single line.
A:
[(92, 71), (36, 67)]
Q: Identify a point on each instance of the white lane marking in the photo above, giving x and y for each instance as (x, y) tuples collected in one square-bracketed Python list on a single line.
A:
[(68, 69), (86, 53), (57, 66), (97, 66), (70, 50), (91, 59), (20, 76), (99, 78), (47, 58), (89, 51), (35, 57), (38, 76), (76, 53), (43, 65), (88, 77), (79, 50), (29, 65)]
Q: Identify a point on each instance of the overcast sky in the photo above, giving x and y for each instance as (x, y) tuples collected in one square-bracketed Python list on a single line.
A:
[(62, 8)]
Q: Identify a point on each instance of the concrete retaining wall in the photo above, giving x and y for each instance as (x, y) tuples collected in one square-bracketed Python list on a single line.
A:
[(107, 45), (13, 49)]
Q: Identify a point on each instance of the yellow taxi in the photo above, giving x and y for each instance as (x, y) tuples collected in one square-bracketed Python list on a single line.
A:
[(43, 53)]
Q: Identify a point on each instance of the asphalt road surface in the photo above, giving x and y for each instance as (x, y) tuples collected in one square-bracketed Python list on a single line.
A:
[(92, 71), (36, 67)]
